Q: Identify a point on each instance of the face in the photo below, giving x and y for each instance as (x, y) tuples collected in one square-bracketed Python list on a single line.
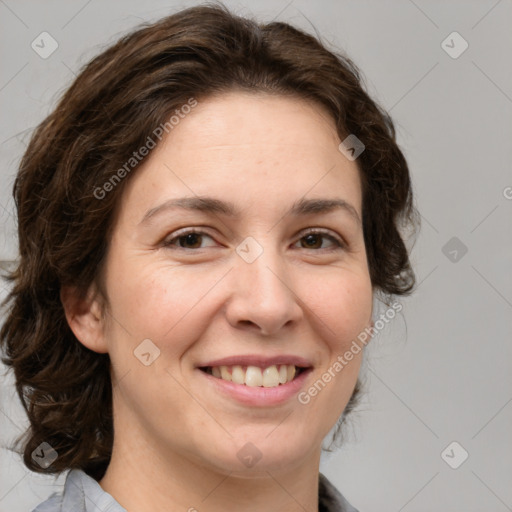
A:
[(262, 285)]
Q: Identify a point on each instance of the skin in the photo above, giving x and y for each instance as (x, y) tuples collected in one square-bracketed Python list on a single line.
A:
[(176, 437)]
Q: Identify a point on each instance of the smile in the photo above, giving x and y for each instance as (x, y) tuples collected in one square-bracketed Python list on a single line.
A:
[(255, 376), (255, 393)]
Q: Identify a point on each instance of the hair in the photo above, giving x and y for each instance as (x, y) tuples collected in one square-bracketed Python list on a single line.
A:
[(110, 110)]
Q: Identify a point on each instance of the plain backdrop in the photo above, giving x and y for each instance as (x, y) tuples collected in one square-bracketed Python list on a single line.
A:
[(439, 380)]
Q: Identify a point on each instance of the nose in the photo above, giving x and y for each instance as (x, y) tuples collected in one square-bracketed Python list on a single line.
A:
[(263, 296)]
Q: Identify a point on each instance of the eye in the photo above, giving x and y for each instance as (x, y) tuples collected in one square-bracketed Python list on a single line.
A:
[(314, 235), (186, 239), (192, 238)]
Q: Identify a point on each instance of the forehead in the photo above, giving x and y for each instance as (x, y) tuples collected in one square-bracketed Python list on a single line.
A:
[(248, 148), (238, 118)]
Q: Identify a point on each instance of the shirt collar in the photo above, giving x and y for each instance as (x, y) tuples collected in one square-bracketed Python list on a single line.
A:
[(84, 494), (330, 499)]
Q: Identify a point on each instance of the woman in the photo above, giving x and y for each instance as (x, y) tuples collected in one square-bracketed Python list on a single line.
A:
[(204, 222)]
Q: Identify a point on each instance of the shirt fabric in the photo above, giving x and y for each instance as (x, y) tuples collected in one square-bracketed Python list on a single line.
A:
[(82, 493)]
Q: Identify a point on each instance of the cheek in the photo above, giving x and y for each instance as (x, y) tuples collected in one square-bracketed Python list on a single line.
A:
[(341, 306), (161, 302)]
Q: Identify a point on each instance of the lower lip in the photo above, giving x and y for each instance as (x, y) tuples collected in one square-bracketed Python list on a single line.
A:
[(259, 395)]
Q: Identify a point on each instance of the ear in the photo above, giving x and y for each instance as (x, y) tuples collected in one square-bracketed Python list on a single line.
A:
[(85, 317)]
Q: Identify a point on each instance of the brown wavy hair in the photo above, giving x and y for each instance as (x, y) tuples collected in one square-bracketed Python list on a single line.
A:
[(109, 111)]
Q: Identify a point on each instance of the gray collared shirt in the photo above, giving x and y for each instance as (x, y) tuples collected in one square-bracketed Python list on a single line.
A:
[(82, 493)]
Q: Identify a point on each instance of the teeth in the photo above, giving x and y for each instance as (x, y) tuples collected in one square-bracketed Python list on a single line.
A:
[(270, 377), (224, 373), (237, 374), (283, 374), (253, 376)]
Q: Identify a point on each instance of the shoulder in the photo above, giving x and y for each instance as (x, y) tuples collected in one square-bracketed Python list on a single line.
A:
[(52, 504), (81, 493), (330, 499), (60, 501)]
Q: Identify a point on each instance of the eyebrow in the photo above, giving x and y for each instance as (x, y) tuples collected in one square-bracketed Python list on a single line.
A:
[(302, 207)]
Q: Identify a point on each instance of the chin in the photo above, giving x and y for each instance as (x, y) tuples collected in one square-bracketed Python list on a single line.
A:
[(255, 454)]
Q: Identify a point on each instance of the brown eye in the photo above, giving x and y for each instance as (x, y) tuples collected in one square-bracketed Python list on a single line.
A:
[(314, 239), (194, 239), (187, 240)]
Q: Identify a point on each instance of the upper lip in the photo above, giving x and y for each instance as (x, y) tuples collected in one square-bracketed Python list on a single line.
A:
[(259, 360)]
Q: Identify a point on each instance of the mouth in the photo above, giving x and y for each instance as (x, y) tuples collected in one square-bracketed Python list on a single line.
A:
[(271, 376)]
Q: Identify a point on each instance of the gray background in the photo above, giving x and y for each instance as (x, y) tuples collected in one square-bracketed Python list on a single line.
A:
[(439, 373)]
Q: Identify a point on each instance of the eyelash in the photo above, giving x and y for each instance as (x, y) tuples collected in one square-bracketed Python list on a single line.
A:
[(340, 244)]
